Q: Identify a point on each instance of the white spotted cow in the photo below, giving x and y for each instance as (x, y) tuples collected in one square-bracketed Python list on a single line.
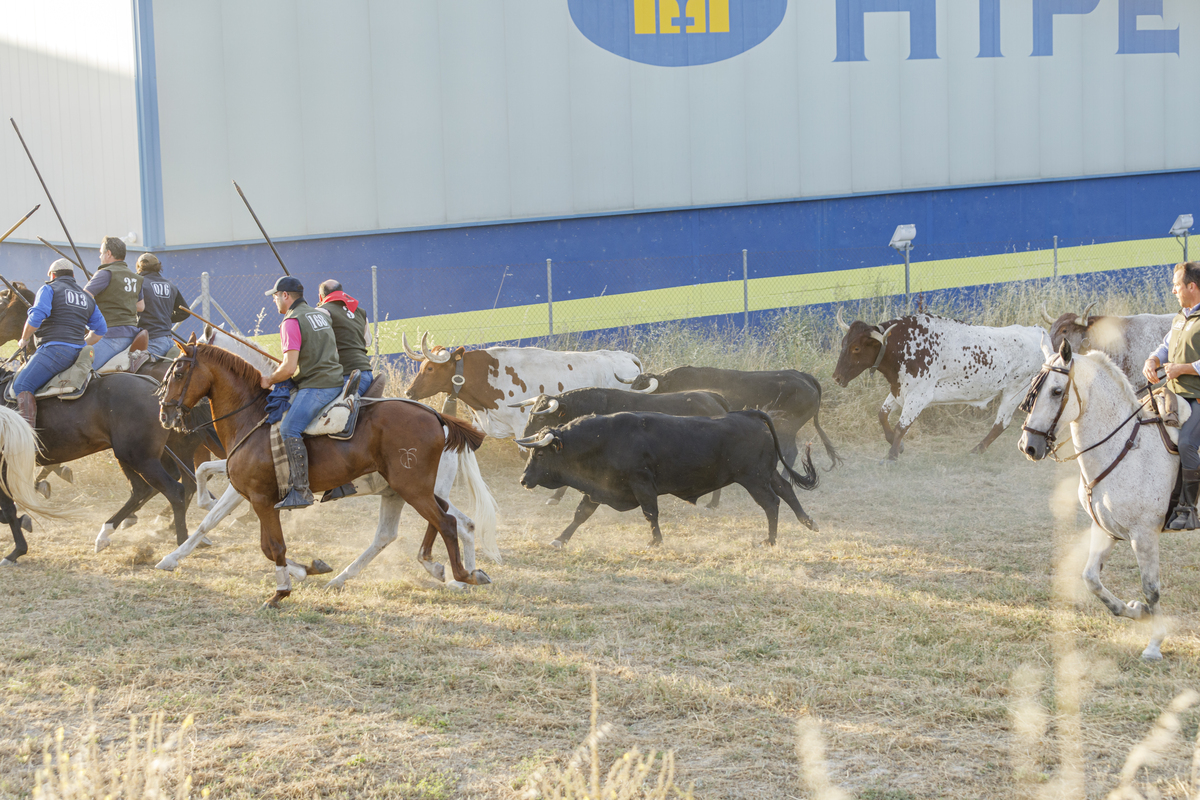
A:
[(928, 360), (493, 382), (1128, 341)]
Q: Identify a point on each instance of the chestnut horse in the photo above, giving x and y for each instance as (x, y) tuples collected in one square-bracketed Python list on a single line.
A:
[(401, 440)]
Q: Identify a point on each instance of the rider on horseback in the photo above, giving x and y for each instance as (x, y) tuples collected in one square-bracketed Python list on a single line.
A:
[(164, 305), (352, 332), (310, 358), (1182, 347), (118, 291), (65, 318)]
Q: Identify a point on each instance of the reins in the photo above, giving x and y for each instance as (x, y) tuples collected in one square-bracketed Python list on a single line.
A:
[(189, 361)]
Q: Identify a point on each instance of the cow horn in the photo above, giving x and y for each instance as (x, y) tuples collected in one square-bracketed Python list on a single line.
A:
[(622, 380), (1086, 313), (437, 358), (524, 403), (408, 351), (841, 323), (550, 409), (530, 441), (882, 337), (1046, 314), (649, 389)]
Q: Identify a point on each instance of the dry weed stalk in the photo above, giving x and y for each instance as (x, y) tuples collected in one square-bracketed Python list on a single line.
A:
[(810, 746), (1149, 750), (626, 778), (144, 770)]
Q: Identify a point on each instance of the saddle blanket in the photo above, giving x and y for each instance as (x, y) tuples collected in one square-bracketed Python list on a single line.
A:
[(371, 483)]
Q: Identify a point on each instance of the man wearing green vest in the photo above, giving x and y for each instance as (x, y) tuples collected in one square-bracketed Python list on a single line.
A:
[(118, 291), (310, 358), (352, 332), (1181, 349)]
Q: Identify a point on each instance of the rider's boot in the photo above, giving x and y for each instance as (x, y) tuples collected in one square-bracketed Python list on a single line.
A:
[(298, 495), (1185, 512), (27, 408)]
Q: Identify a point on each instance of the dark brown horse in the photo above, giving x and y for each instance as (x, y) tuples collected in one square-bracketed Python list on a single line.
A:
[(402, 441)]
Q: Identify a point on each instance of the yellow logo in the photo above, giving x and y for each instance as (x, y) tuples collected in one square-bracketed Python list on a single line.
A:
[(699, 16)]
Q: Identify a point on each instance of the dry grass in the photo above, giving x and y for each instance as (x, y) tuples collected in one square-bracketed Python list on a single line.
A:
[(933, 640)]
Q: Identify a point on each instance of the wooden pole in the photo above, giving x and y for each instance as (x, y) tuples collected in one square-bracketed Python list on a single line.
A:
[(14, 227), (261, 228), (256, 349), (48, 197), (67, 257)]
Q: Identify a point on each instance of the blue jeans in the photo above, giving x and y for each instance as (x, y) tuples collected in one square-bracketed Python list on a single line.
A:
[(106, 348), (364, 381), (160, 346), (48, 361), (1189, 438), (305, 407)]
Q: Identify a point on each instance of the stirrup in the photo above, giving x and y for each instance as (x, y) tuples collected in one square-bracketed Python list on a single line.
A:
[(345, 490), (1184, 519), (295, 499)]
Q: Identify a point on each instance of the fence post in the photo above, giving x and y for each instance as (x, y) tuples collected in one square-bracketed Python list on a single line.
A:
[(907, 293), (375, 312), (1055, 258), (550, 295), (204, 295), (745, 295)]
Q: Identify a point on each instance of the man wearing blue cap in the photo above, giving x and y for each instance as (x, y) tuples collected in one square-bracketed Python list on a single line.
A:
[(310, 358)]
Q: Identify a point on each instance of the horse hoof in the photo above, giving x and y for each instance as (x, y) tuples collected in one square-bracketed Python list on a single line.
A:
[(336, 585), (43, 488), (66, 474), (319, 567), (129, 521), (204, 542), (168, 564), (1138, 609), (480, 578), (4, 562), (273, 603), (26, 523), (1152, 653), (104, 539), (557, 544), (457, 586)]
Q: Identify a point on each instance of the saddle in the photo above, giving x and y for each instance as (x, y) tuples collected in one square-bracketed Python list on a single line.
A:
[(131, 358), (70, 384)]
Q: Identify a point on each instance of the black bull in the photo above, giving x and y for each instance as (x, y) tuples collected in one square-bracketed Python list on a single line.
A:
[(627, 460), (551, 410), (792, 396)]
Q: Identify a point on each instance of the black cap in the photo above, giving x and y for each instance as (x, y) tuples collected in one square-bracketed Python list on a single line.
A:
[(286, 284)]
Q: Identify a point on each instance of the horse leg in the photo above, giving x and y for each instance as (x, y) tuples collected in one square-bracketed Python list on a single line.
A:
[(139, 492), (442, 521), (270, 534), (20, 547), (64, 471), (41, 485), (390, 506), (583, 511), (153, 472), (228, 502), (1145, 549)]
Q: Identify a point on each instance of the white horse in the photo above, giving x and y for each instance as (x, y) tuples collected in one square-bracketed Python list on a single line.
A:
[(18, 467), (1125, 485), (483, 506)]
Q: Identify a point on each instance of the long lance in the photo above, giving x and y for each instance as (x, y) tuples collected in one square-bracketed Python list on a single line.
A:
[(261, 228), (38, 172), (67, 257), (19, 223), (258, 350)]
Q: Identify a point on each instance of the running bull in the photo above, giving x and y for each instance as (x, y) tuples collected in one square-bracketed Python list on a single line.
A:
[(1126, 340), (928, 360), (628, 459)]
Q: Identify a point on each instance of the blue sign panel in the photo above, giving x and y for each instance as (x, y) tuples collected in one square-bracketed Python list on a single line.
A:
[(677, 33)]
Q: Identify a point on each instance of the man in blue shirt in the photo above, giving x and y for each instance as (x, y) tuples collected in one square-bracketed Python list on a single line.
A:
[(65, 318)]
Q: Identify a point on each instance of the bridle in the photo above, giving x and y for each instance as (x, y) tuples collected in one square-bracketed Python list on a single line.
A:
[(1031, 397), (188, 360)]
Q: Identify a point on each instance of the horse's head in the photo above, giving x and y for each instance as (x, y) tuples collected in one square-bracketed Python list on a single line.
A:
[(186, 384), (13, 308), (1049, 404)]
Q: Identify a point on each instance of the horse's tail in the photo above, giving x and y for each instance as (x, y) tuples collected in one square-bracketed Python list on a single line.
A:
[(18, 456), (460, 434), (482, 504)]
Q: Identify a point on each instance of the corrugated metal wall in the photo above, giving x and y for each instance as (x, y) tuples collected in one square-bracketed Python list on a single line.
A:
[(67, 78), (372, 114)]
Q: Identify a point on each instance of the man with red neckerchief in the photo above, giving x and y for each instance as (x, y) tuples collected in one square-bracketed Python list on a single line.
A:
[(351, 329)]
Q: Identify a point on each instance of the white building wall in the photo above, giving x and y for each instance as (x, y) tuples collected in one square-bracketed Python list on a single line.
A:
[(67, 79), (374, 114)]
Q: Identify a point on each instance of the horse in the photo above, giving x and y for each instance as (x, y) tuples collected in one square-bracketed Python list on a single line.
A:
[(400, 440), (18, 456), (481, 522), (1126, 489)]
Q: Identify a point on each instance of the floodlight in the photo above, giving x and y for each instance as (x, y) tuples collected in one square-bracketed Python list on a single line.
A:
[(1183, 223), (130, 238), (902, 238)]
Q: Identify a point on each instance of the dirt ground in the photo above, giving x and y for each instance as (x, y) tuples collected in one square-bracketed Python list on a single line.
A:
[(940, 595)]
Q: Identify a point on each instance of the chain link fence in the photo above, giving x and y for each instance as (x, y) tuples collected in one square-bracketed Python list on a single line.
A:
[(526, 303)]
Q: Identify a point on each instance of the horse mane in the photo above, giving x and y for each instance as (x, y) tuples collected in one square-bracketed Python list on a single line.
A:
[(1103, 361), (231, 361)]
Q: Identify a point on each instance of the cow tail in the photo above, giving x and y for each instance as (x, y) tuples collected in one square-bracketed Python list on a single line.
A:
[(810, 479)]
